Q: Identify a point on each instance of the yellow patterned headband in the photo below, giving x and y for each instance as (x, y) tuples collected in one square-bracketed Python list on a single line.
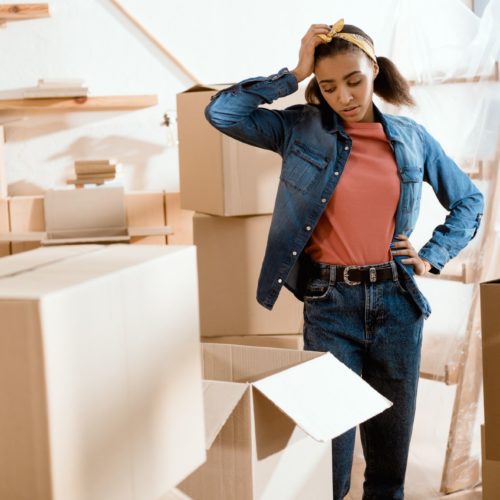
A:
[(358, 40)]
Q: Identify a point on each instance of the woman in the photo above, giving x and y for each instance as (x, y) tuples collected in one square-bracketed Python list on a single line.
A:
[(347, 202)]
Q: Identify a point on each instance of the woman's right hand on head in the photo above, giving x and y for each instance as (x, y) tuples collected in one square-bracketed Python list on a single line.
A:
[(309, 42)]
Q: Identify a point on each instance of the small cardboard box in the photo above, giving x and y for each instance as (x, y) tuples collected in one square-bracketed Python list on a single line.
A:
[(490, 472), (219, 175), (490, 330), (278, 341), (146, 209), (26, 215), (100, 372), (142, 211), (230, 254), (270, 415)]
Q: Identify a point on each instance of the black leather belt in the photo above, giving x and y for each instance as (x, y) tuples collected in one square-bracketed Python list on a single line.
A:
[(354, 275)]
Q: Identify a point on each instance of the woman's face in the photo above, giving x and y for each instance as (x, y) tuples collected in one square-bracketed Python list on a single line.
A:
[(346, 83)]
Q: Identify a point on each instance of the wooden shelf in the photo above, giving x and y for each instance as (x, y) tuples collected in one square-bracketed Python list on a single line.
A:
[(105, 103), (22, 11)]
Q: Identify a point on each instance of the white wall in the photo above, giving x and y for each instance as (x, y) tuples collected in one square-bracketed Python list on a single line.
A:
[(218, 41)]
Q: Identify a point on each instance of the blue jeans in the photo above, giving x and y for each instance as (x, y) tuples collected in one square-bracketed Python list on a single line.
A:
[(376, 330)]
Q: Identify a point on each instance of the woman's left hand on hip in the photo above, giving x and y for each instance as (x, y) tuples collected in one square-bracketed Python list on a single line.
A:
[(404, 247)]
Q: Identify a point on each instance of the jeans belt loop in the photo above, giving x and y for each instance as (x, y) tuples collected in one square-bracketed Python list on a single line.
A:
[(333, 276), (394, 270)]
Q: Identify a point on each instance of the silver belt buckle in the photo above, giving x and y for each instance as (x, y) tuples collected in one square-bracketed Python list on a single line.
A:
[(346, 275)]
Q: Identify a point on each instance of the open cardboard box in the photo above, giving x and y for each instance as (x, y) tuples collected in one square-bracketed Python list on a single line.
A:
[(219, 175), (490, 332), (270, 415), (100, 372)]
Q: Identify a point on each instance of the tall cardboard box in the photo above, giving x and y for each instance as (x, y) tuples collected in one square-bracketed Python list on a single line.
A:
[(230, 254), (100, 372), (219, 175), (490, 331), (270, 415)]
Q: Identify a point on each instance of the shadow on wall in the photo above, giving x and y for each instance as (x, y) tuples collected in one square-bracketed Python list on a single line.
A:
[(126, 151), (24, 126)]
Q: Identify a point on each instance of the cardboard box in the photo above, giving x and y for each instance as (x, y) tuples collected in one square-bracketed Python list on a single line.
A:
[(490, 330), (4, 226), (491, 473), (179, 220), (146, 209), (219, 175), (277, 341), (270, 415), (143, 210), (100, 372), (26, 215), (230, 254)]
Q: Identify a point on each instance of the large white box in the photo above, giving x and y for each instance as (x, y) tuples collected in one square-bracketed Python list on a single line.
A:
[(100, 372)]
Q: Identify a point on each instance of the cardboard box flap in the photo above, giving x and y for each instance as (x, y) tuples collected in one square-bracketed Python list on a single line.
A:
[(323, 396), (27, 261), (220, 399), (241, 363), (36, 281)]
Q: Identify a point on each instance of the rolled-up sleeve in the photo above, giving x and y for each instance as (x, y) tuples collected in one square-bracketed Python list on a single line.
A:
[(235, 110), (457, 194)]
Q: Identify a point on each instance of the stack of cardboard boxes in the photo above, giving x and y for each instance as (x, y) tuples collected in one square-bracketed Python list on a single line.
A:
[(231, 187)]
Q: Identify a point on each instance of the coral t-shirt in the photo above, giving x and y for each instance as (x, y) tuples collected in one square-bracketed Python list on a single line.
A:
[(358, 223)]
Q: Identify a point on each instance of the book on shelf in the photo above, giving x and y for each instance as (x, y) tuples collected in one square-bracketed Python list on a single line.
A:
[(95, 169), (37, 93), (109, 161), (57, 83), (97, 176)]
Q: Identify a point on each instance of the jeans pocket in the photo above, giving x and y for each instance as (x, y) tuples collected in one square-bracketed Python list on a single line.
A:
[(317, 289), (400, 285)]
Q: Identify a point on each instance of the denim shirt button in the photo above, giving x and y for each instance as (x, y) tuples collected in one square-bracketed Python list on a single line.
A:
[(347, 148), (280, 280), (294, 253), (308, 228), (336, 173), (323, 200)]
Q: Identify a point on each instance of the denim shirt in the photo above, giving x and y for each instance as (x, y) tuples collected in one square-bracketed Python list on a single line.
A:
[(315, 147)]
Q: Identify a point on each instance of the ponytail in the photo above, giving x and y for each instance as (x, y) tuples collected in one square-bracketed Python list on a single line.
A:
[(391, 85)]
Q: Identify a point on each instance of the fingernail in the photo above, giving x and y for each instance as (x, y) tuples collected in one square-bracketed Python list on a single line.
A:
[(391, 245)]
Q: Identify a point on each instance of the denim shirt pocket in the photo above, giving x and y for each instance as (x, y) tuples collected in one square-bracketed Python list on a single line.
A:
[(302, 165), (411, 187)]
